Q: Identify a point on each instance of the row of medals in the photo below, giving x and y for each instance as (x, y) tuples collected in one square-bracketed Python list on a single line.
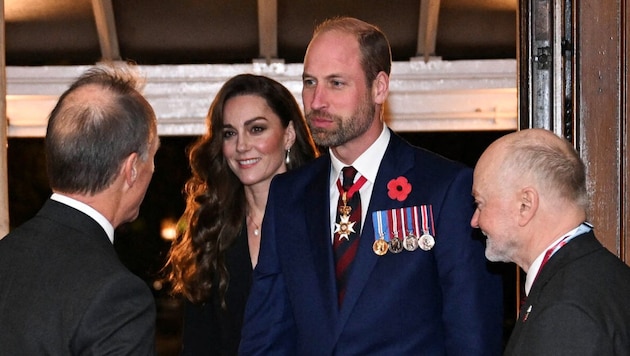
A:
[(410, 243), (380, 247)]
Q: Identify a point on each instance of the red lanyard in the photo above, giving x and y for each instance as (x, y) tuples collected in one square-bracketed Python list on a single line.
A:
[(353, 189)]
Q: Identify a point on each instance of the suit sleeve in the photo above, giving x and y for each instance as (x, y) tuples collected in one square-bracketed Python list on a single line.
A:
[(268, 327), (120, 320), (472, 295)]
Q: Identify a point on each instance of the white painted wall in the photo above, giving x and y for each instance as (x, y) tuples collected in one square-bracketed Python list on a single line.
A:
[(432, 96)]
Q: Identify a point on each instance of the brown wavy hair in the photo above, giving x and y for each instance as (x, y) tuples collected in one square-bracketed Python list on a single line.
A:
[(215, 198)]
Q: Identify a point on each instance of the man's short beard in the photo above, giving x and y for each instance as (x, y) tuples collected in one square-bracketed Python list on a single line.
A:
[(499, 253), (345, 129)]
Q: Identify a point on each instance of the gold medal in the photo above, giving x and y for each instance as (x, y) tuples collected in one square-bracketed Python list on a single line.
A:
[(345, 210), (380, 247)]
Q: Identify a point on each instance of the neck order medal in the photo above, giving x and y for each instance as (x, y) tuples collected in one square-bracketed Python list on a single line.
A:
[(345, 227)]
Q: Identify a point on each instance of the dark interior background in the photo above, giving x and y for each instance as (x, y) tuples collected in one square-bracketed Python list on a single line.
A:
[(63, 32)]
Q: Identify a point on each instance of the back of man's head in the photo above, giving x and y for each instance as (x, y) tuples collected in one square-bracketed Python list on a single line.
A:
[(96, 124)]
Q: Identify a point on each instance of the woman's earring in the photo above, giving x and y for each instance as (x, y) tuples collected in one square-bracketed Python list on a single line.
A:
[(287, 159)]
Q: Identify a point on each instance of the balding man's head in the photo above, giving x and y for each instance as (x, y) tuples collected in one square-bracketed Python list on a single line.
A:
[(529, 186), (540, 156), (98, 121)]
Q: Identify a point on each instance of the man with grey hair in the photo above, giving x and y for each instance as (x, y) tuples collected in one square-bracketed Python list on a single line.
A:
[(530, 191), (63, 290)]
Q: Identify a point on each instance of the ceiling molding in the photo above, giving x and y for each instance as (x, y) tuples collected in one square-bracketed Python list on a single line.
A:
[(433, 96)]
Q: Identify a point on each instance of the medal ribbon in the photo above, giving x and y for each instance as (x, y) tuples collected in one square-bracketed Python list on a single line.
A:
[(402, 222), (394, 222), (583, 228), (415, 221), (552, 250), (425, 219), (410, 220), (379, 219), (353, 189), (427, 210), (432, 222)]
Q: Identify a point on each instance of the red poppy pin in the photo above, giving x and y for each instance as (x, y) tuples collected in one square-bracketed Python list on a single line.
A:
[(399, 188)]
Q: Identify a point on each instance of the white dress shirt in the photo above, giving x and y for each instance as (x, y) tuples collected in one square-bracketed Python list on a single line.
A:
[(367, 165), (89, 211)]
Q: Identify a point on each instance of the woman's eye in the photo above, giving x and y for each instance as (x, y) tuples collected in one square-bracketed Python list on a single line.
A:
[(228, 134), (258, 129)]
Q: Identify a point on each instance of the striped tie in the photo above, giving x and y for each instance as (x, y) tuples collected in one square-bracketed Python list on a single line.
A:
[(346, 241)]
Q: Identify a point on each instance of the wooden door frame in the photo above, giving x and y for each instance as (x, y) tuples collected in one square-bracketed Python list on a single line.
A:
[(588, 81)]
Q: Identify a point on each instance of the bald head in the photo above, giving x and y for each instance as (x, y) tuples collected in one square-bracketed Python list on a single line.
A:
[(529, 187), (538, 156)]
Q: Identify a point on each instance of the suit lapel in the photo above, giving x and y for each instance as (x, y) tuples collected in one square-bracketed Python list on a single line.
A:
[(397, 161), (320, 246), (575, 249)]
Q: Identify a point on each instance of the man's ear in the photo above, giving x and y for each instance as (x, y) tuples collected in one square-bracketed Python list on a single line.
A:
[(129, 171), (529, 200), (380, 88)]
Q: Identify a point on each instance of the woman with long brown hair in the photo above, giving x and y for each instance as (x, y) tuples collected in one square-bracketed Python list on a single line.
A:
[(255, 131)]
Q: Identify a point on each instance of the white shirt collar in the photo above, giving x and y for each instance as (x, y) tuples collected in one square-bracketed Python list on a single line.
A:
[(89, 211), (367, 165), (368, 162)]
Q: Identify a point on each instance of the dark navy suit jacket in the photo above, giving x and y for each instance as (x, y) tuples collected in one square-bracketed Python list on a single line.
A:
[(437, 302)]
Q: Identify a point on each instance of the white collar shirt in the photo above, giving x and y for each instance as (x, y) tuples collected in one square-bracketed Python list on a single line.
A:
[(89, 211), (367, 165)]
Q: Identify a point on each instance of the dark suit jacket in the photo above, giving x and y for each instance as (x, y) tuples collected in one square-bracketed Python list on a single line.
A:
[(442, 301), (210, 329), (63, 291), (580, 305)]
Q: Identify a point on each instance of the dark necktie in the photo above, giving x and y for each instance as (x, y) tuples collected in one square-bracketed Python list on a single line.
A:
[(347, 227)]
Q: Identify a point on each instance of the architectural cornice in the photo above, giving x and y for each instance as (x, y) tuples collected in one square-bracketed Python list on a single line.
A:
[(424, 96)]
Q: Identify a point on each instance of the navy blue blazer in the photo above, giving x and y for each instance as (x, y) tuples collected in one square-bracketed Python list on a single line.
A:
[(436, 302), (578, 305)]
